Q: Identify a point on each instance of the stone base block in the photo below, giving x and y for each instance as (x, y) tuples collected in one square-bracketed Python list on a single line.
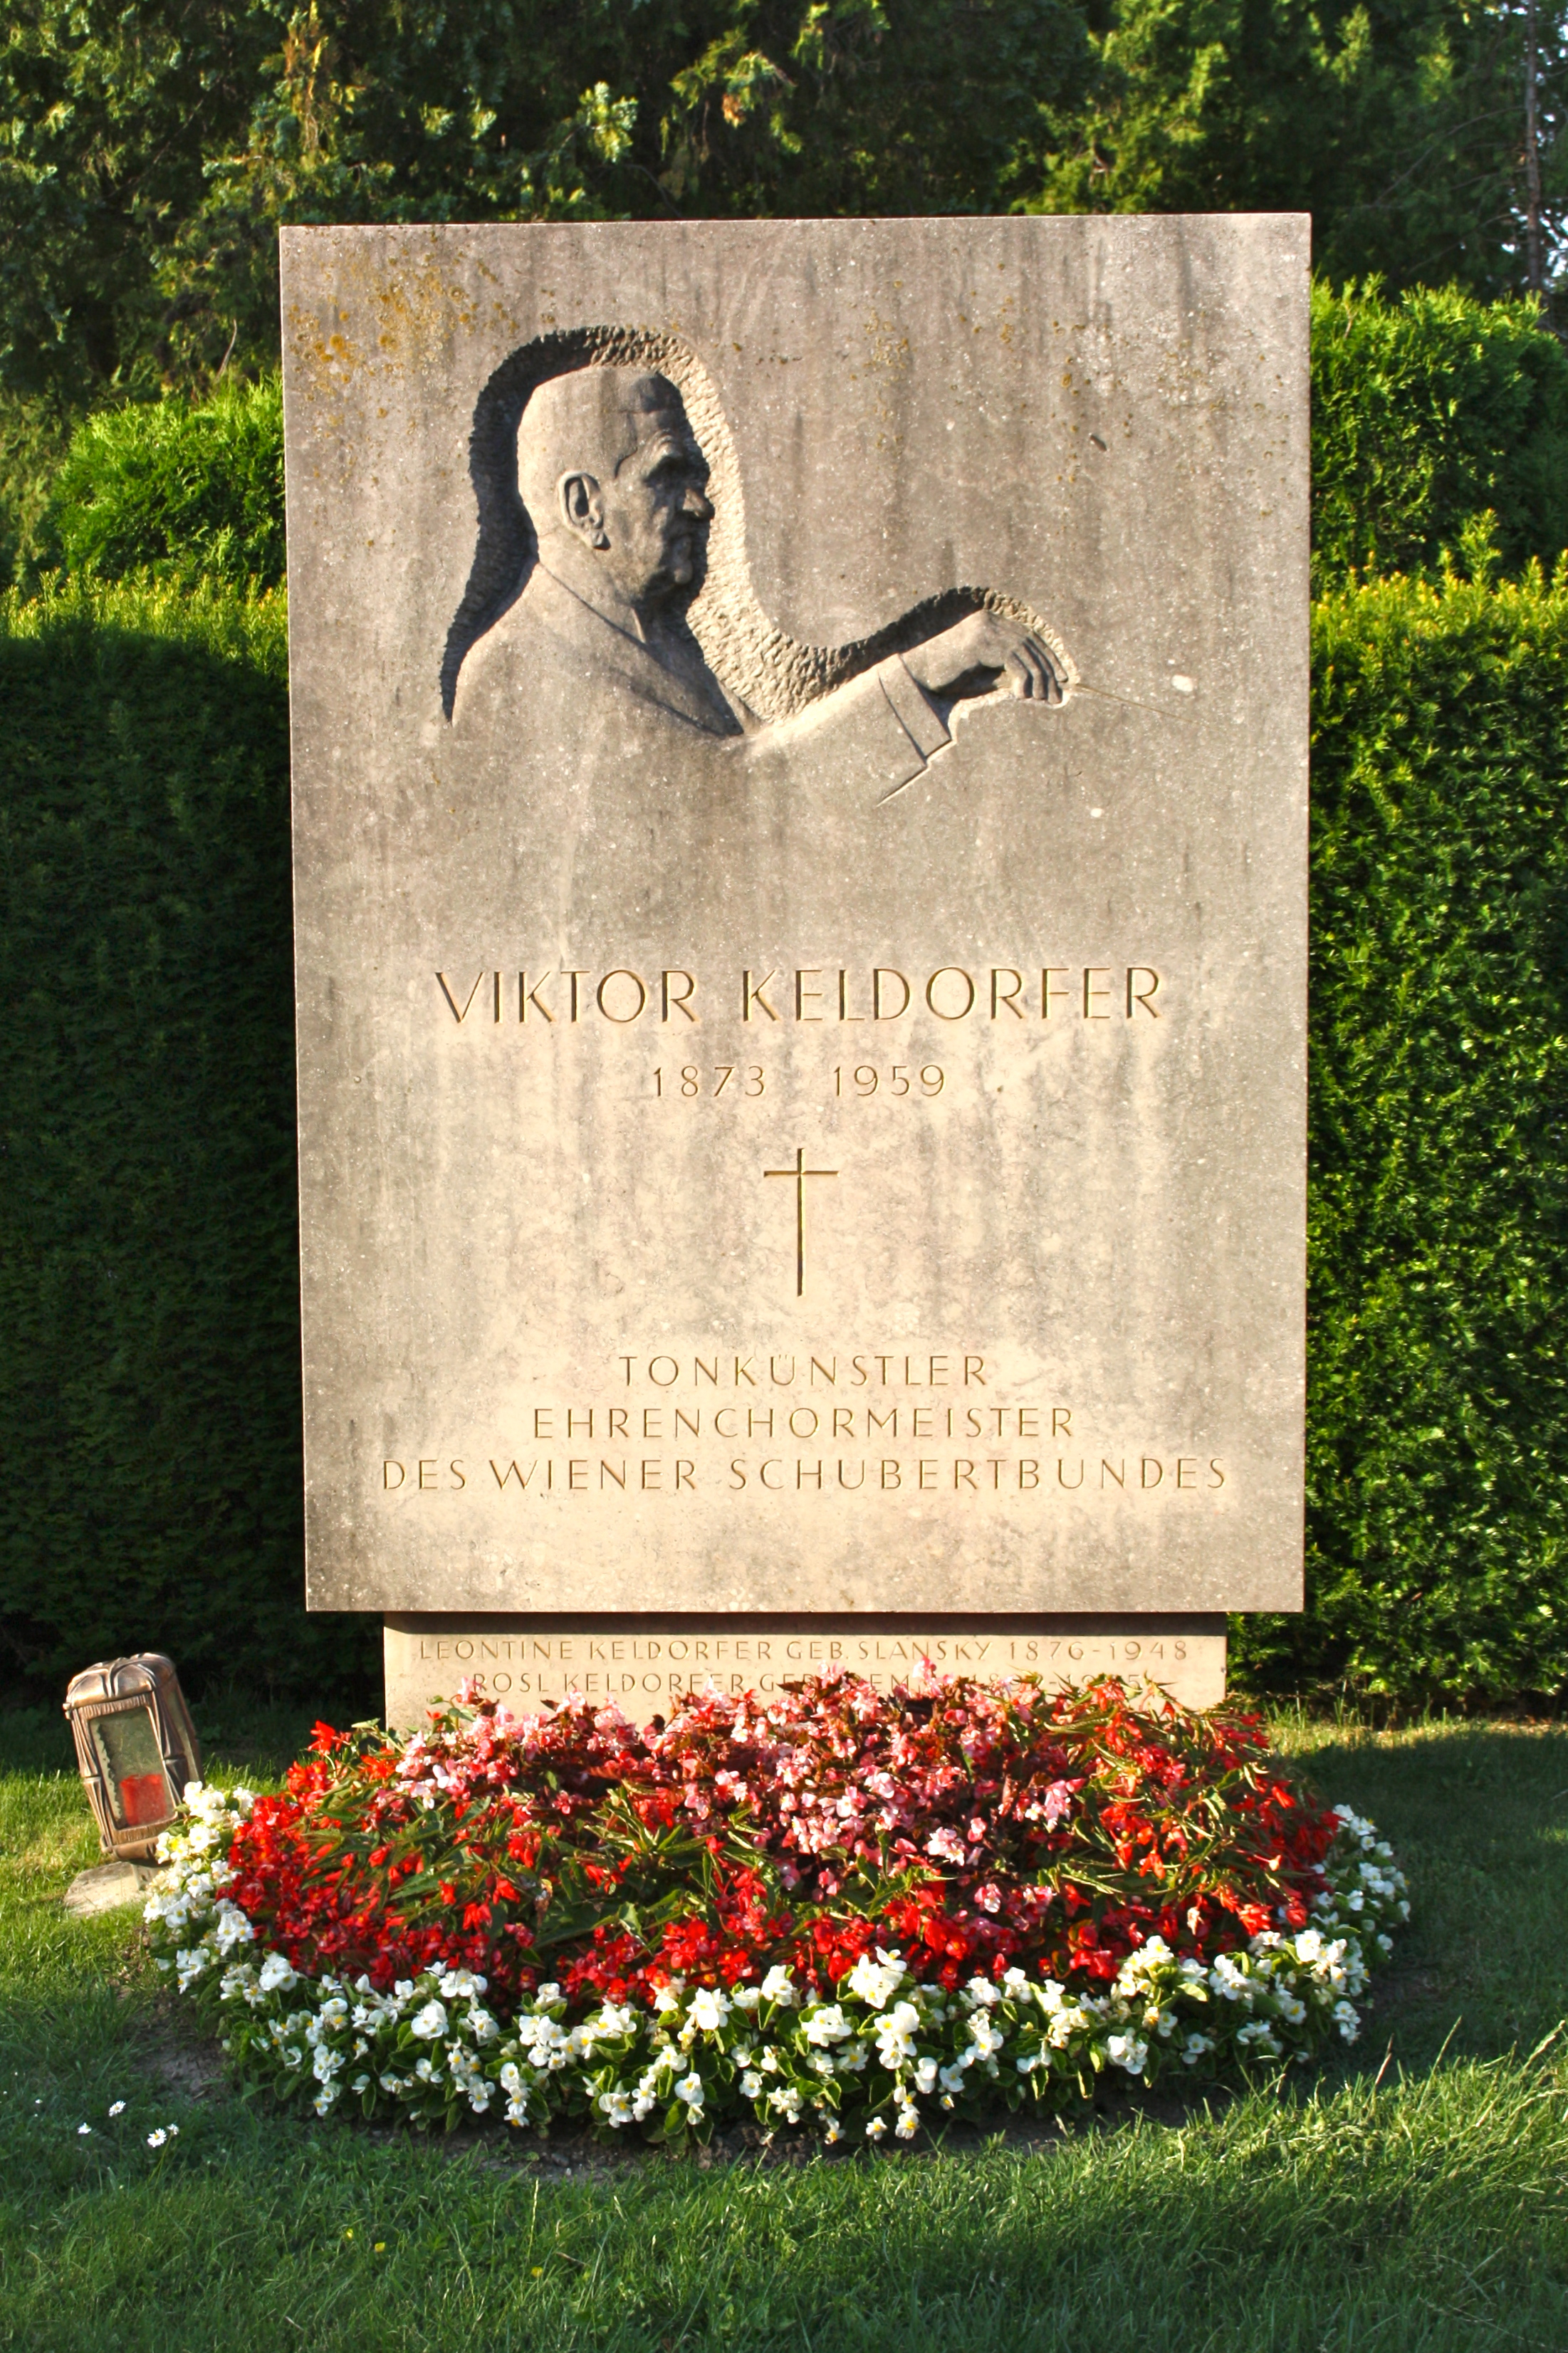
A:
[(645, 1663)]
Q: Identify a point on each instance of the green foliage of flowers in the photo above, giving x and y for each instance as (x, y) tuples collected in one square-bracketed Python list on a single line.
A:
[(851, 2033)]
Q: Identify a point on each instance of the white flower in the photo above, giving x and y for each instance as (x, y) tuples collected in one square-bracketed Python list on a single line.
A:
[(458, 1985), (231, 1927), (833, 2131), (876, 1981), (1230, 1979), (981, 1990), (747, 1997), (1346, 2020), (909, 2123), (752, 2084), (874, 2127), (689, 2089), (613, 2021), (82, 2130), (117, 2108), (826, 2025), (896, 2034), (985, 2036), (709, 2011), (779, 1986), (276, 1976), (1126, 2051), (429, 2023)]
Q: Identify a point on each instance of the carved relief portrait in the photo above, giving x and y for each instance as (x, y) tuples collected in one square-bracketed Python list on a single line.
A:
[(610, 612)]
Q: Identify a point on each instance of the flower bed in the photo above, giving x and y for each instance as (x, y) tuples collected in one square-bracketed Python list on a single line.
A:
[(860, 1908)]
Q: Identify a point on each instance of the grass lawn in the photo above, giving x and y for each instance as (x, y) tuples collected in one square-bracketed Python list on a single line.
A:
[(1414, 2200)]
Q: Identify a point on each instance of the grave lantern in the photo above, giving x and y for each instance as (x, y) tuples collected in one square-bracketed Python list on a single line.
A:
[(136, 1746)]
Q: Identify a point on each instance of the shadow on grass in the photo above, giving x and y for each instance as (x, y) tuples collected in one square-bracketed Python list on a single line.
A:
[(1477, 1815)]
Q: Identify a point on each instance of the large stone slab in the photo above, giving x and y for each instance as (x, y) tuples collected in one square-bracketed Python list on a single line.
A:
[(853, 1163), (645, 1665)]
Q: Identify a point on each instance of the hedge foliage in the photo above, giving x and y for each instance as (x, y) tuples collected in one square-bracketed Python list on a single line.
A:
[(149, 1387), (1437, 1415), (185, 490), (1427, 412), (150, 1377), (149, 1384)]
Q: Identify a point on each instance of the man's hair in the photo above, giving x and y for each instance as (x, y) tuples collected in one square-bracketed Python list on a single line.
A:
[(585, 422)]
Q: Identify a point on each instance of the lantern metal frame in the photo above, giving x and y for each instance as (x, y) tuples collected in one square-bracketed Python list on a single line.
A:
[(145, 1683)]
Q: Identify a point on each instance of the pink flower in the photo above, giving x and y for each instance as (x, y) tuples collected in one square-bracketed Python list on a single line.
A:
[(945, 1844), (1058, 1801)]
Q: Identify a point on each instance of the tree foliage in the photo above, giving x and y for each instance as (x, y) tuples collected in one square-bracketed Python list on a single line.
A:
[(1395, 123), (148, 148), (149, 151)]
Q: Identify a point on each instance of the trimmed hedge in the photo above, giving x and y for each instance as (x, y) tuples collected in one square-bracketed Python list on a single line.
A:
[(150, 1376), (189, 490), (1428, 413), (149, 1381), (1437, 1417)]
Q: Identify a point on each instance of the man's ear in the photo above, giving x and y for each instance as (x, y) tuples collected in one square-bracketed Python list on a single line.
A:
[(583, 509)]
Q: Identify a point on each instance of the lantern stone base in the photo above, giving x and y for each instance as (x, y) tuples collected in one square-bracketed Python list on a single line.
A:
[(645, 1663), (106, 1886)]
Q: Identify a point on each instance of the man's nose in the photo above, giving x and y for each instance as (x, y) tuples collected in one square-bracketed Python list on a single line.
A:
[(695, 503)]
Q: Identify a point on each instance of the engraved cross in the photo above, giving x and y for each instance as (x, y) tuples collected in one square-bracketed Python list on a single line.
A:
[(800, 1172)]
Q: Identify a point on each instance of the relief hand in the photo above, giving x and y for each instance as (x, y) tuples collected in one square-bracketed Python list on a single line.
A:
[(987, 650)]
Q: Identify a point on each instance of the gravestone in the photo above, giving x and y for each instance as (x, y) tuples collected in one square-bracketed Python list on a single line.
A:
[(799, 752)]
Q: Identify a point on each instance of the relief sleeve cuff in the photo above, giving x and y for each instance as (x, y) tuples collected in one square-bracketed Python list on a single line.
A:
[(916, 714)]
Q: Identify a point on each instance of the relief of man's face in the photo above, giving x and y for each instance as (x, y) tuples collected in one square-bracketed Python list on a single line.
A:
[(656, 510), (607, 459)]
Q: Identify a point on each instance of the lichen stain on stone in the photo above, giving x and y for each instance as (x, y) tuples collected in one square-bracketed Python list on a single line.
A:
[(407, 313)]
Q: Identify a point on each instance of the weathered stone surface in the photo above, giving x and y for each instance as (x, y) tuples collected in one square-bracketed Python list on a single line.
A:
[(782, 1131), (645, 1665), (108, 1886)]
